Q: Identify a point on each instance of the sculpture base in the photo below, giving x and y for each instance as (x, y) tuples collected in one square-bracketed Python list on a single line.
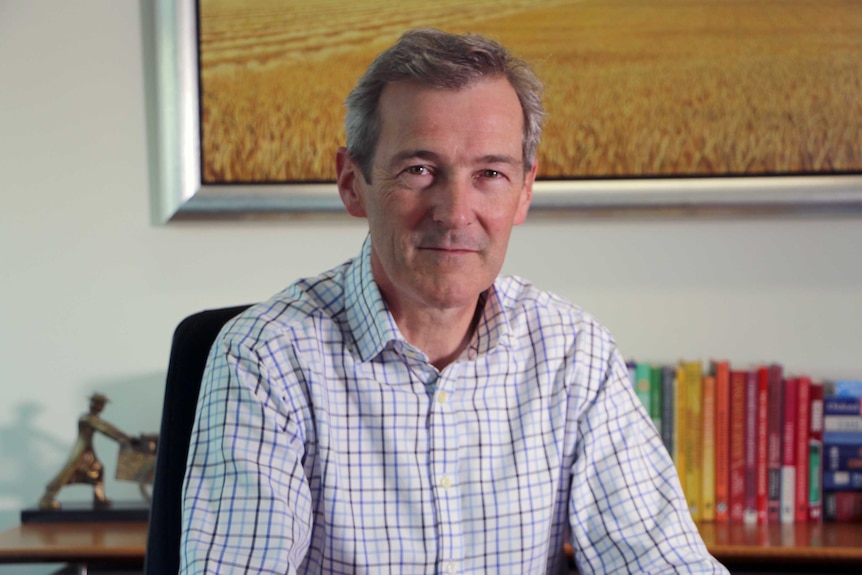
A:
[(134, 511)]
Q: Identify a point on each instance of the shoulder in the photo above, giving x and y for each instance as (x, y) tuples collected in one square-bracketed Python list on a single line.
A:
[(298, 312), (529, 308)]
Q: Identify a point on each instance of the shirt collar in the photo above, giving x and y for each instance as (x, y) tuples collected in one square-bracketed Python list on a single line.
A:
[(373, 326), (367, 313)]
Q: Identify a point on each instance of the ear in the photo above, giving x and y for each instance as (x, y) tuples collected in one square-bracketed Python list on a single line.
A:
[(526, 195), (351, 183)]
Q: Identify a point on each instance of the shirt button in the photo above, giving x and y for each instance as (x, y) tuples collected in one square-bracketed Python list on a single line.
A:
[(442, 396), (446, 482), (449, 567)]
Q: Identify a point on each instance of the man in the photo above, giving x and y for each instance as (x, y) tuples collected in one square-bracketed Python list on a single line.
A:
[(410, 411)]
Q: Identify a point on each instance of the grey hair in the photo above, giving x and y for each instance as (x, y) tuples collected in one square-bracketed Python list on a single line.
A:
[(440, 60)]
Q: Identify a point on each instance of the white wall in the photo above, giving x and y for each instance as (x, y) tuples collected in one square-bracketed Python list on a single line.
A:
[(91, 291)]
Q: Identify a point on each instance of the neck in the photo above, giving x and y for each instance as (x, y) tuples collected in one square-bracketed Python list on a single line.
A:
[(441, 334)]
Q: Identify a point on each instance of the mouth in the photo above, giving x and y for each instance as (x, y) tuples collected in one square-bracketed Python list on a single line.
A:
[(448, 250)]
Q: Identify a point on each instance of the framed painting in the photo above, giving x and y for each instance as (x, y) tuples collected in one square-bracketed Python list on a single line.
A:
[(705, 105)]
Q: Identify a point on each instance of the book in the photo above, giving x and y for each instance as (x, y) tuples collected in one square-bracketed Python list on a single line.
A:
[(774, 422), (842, 437), (834, 405), (642, 381), (838, 457), (803, 425), (842, 480), (655, 411), (689, 378), (815, 451), (668, 390), (842, 422), (846, 388), (842, 505), (679, 426), (761, 429), (721, 371), (788, 452), (708, 455), (749, 512), (736, 470)]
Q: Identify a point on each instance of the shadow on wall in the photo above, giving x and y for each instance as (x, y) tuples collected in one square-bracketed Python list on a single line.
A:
[(33, 455), (27, 452)]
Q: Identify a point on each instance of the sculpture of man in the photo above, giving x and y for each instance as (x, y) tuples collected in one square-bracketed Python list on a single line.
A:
[(83, 466)]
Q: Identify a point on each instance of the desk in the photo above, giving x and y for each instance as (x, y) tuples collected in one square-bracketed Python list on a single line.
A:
[(92, 545), (821, 547)]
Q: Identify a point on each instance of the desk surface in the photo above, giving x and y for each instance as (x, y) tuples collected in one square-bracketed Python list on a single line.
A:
[(74, 542), (126, 542)]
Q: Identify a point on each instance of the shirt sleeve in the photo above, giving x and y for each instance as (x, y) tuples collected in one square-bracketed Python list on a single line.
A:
[(627, 511), (246, 500)]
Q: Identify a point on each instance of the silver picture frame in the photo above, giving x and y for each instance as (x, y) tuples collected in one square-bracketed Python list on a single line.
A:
[(180, 195)]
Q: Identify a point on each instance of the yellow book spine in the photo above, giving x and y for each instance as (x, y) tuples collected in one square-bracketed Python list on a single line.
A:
[(692, 443)]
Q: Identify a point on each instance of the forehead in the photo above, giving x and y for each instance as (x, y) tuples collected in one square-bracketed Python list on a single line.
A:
[(484, 114)]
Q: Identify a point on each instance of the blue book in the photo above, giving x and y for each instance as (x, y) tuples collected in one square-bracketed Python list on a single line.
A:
[(842, 423), (843, 437), (837, 457), (842, 481), (848, 388), (835, 405)]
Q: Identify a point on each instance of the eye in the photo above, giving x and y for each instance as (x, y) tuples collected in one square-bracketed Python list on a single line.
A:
[(491, 174), (418, 170)]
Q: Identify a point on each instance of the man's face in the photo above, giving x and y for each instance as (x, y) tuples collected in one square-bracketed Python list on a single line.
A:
[(447, 184)]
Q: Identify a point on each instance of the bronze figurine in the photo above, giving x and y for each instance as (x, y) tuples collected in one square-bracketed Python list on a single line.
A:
[(83, 466)]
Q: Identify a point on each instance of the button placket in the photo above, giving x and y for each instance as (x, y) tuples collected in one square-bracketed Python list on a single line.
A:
[(444, 467)]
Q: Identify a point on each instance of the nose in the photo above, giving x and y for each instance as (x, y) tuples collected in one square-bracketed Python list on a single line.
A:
[(453, 203)]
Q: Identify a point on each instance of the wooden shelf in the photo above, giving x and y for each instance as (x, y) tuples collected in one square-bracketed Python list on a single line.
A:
[(104, 542), (824, 544), (827, 544), (808, 542)]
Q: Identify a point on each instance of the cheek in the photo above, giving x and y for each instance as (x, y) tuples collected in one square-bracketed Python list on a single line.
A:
[(403, 211)]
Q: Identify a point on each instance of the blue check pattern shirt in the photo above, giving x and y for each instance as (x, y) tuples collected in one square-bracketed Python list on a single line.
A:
[(326, 443)]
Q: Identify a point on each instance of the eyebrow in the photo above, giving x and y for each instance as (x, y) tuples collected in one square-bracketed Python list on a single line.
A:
[(433, 156)]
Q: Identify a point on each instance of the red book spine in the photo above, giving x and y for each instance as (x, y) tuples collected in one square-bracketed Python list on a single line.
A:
[(721, 369), (760, 464), (803, 424), (737, 445), (842, 506), (750, 505), (788, 451), (815, 454), (773, 440)]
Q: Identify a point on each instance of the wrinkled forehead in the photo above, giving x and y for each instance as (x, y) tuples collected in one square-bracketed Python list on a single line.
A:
[(489, 105)]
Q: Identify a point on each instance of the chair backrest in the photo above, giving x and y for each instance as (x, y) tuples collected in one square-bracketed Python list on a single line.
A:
[(192, 340)]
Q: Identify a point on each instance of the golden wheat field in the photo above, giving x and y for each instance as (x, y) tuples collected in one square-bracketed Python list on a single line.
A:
[(633, 88)]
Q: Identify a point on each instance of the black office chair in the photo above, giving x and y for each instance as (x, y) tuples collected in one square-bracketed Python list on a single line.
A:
[(192, 341)]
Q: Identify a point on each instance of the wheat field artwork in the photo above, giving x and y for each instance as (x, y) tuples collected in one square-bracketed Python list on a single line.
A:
[(650, 88)]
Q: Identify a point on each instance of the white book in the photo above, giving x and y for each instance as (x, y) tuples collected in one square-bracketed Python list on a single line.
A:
[(788, 494)]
